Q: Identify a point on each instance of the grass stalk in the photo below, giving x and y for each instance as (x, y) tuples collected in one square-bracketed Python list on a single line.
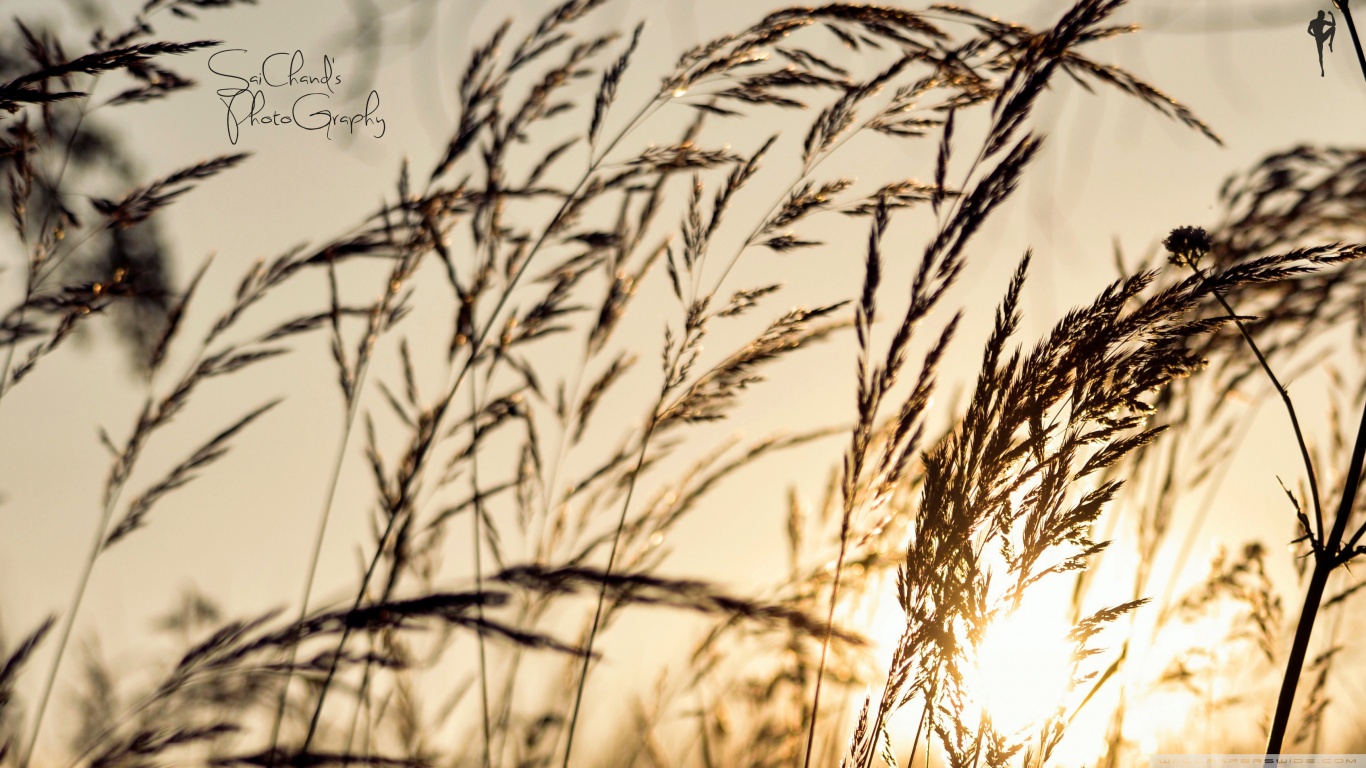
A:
[(1289, 409), (113, 495), (1188, 245), (33, 277), (1345, 5), (478, 532), (1011, 464), (825, 646), (476, 346), (315, 556), (82, 583), (1327, 557), (602, 591)]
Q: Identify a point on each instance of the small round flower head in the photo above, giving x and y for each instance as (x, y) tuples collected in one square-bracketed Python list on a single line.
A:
[(1187, 244)]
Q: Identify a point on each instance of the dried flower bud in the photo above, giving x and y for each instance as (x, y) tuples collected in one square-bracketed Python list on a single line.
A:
[(1187, 245)]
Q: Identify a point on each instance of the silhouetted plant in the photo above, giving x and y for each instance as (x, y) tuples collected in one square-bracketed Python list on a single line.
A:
[(542, 218)]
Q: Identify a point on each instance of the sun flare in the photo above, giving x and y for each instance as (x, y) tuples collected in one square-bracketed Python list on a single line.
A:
[(1023, 666), (1020, 672)]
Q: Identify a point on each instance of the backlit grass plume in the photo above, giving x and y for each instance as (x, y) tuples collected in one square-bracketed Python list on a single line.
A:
[(582, 243)]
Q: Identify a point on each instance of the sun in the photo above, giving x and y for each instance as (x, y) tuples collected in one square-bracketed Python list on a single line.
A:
[(1121, 697), (1022, 672), (1022, 669)]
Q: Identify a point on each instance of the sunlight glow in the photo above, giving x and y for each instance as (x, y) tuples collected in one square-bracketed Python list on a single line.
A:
[(1024, 665), (1022, 672)]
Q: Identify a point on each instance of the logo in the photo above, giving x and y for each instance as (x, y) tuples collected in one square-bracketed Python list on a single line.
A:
[(254, 100), (1322, 30)]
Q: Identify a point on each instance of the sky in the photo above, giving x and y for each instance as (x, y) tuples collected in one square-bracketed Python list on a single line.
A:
[(1113, 171)]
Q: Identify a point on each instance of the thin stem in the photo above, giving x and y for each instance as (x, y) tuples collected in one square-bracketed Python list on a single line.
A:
[(1285, 399), (113, 496), (1326, 554), (346, 630), (353, 396), (825, 644), (1351, 27), (362, 705), (611, 562), (313, 559), (84, 581), (548, 487), (505, 702), (1326, 560), (594, 163), (479, 569), (915, 743)]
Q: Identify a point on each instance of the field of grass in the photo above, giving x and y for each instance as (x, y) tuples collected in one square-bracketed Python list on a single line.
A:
[(485, 438)]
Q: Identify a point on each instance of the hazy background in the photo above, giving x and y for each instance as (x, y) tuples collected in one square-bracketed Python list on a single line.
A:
[(1112, 171)]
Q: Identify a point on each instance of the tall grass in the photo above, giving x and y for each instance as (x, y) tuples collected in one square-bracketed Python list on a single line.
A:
[(546, 216)]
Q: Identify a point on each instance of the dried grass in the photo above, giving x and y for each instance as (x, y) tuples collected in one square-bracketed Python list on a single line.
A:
[(970, 507)]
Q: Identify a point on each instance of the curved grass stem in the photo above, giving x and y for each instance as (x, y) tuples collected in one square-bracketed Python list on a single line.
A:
[(1325, 547)]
